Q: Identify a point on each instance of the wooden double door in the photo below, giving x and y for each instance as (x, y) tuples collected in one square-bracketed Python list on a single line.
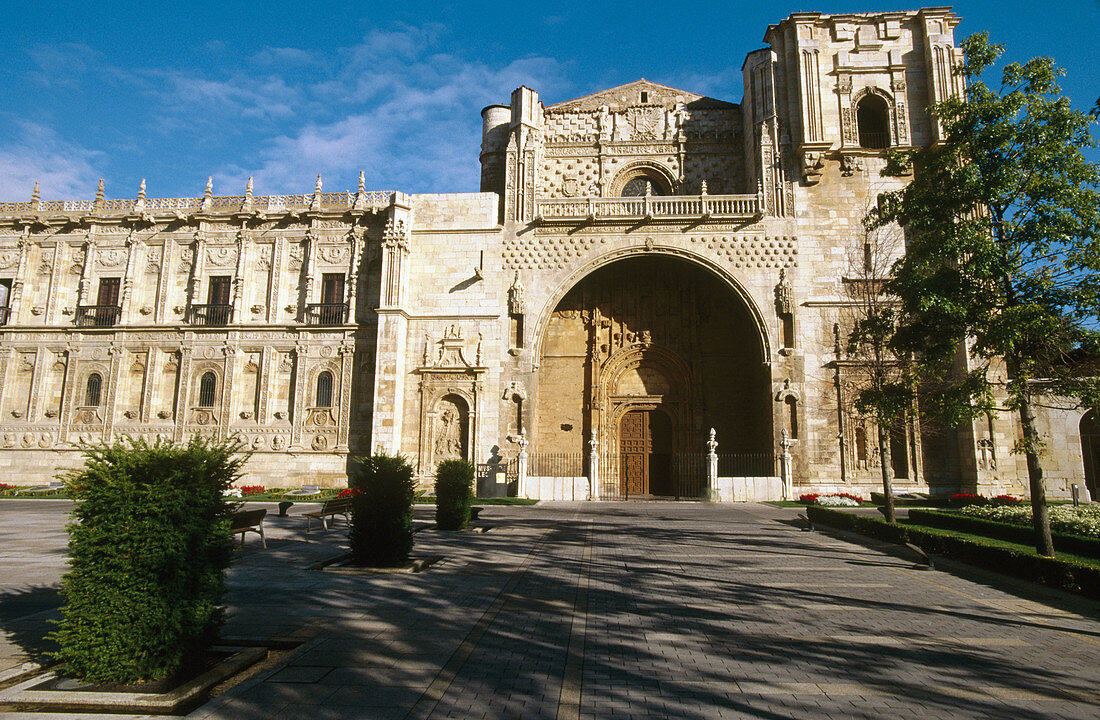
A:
[(645, 453)]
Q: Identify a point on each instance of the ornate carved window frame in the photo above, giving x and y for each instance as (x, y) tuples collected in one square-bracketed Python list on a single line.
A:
[(657, 172)]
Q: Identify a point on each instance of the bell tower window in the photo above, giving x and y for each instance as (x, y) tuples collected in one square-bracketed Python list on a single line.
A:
[(872, 118)]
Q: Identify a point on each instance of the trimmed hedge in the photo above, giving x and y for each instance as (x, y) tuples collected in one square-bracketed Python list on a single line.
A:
[(149, 544), (454, 482), (1076, 544), (1026, 564), (381, 533)]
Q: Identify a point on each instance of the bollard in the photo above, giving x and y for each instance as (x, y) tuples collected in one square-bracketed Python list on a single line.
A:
[(1075, 490)]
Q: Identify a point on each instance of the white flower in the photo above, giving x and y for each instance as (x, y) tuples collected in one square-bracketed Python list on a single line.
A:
[(836, 501)]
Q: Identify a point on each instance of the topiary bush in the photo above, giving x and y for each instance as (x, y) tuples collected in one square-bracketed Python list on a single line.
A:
[(149, 544), (381, 517), (454, 482)]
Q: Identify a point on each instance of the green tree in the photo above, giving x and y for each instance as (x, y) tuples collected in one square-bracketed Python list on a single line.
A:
[(873, 374), (1003, 223)]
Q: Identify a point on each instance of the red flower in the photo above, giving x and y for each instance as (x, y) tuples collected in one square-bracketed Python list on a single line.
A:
[(348, 492)]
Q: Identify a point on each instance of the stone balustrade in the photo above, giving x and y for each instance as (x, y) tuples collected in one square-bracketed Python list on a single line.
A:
[(368, 200), (653, 206)]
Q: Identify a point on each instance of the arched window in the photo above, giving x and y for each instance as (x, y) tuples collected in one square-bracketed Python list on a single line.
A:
[(324, 389), (208, 386), (92, 391), (873, 121), (638, 187)]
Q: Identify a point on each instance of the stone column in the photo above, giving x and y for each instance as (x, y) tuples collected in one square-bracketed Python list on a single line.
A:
[(712, 465), (21, 271), (521, 465), (298, 401), (115, 352), (53, 299), (389, 373), (164, 283), (274, 296), (239, 275), (198, 263), (593, 466), (785, 460), (343, 420), (229, 371), (133, 247), (86, 271), (183, 385)]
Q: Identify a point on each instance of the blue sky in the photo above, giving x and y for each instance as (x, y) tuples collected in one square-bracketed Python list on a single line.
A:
[(282, 91)]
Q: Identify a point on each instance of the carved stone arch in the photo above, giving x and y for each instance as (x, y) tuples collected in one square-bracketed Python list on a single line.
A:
[(449, 411), (205, 415), (735, 286), (449, 434), (892, 119), (792, 409), (663, 179), (674, 400), (91, 414)]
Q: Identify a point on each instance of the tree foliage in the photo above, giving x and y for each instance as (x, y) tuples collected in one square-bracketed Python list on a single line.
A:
[(1003, 256), (876, 377), (381, 532), (454, 482), (149, 545)]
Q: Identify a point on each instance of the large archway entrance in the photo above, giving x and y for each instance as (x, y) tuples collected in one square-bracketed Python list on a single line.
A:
[(1090, 452), (646, 355)]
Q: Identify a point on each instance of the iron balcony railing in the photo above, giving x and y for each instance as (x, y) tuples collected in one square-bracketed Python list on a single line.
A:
[(652, 206), (874, 140), (97, 315), (326, 314), (211, 315)]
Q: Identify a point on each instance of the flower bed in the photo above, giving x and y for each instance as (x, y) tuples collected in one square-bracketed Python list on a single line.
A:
[(831, 499), (1022, 533), (1083, 520), (1020, 561)]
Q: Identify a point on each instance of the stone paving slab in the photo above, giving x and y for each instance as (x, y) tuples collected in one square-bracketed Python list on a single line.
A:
[(648, 610)]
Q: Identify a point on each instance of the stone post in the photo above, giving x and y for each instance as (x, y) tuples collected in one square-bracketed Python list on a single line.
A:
[(785, 457), (712, 465), (521, 465), (593, 465)]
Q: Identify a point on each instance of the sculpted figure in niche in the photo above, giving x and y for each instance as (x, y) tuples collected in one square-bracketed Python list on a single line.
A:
[(450, 432)]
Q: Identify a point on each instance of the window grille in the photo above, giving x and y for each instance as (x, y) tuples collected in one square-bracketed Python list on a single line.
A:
[(93, 391), (324, 389), (207, 388)]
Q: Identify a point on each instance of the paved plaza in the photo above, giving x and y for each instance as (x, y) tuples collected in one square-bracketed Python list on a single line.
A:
[(596, 610)]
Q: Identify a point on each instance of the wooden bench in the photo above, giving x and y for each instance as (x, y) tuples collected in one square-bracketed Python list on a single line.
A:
[(249, 521), (331, 508)]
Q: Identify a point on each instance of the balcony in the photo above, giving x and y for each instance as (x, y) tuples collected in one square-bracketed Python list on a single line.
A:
[(671, 207), (326, 314), (211, 315), (97, 315)]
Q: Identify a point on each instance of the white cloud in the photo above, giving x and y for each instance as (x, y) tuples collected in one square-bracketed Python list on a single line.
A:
[(391, 105), (64, 169)]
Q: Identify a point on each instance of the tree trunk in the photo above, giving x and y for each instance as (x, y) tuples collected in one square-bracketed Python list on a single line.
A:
[(887, 471), (1040, 517)]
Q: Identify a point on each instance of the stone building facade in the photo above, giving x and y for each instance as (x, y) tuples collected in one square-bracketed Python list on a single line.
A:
[(642, 265)]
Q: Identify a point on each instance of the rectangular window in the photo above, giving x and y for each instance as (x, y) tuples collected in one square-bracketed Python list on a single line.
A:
[(332, 288), (5, 299), (219, 290), (108, 292)]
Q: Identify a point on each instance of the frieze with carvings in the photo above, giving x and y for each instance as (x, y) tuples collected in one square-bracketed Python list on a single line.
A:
[(334, 254), (221, 256), (110, 257)]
